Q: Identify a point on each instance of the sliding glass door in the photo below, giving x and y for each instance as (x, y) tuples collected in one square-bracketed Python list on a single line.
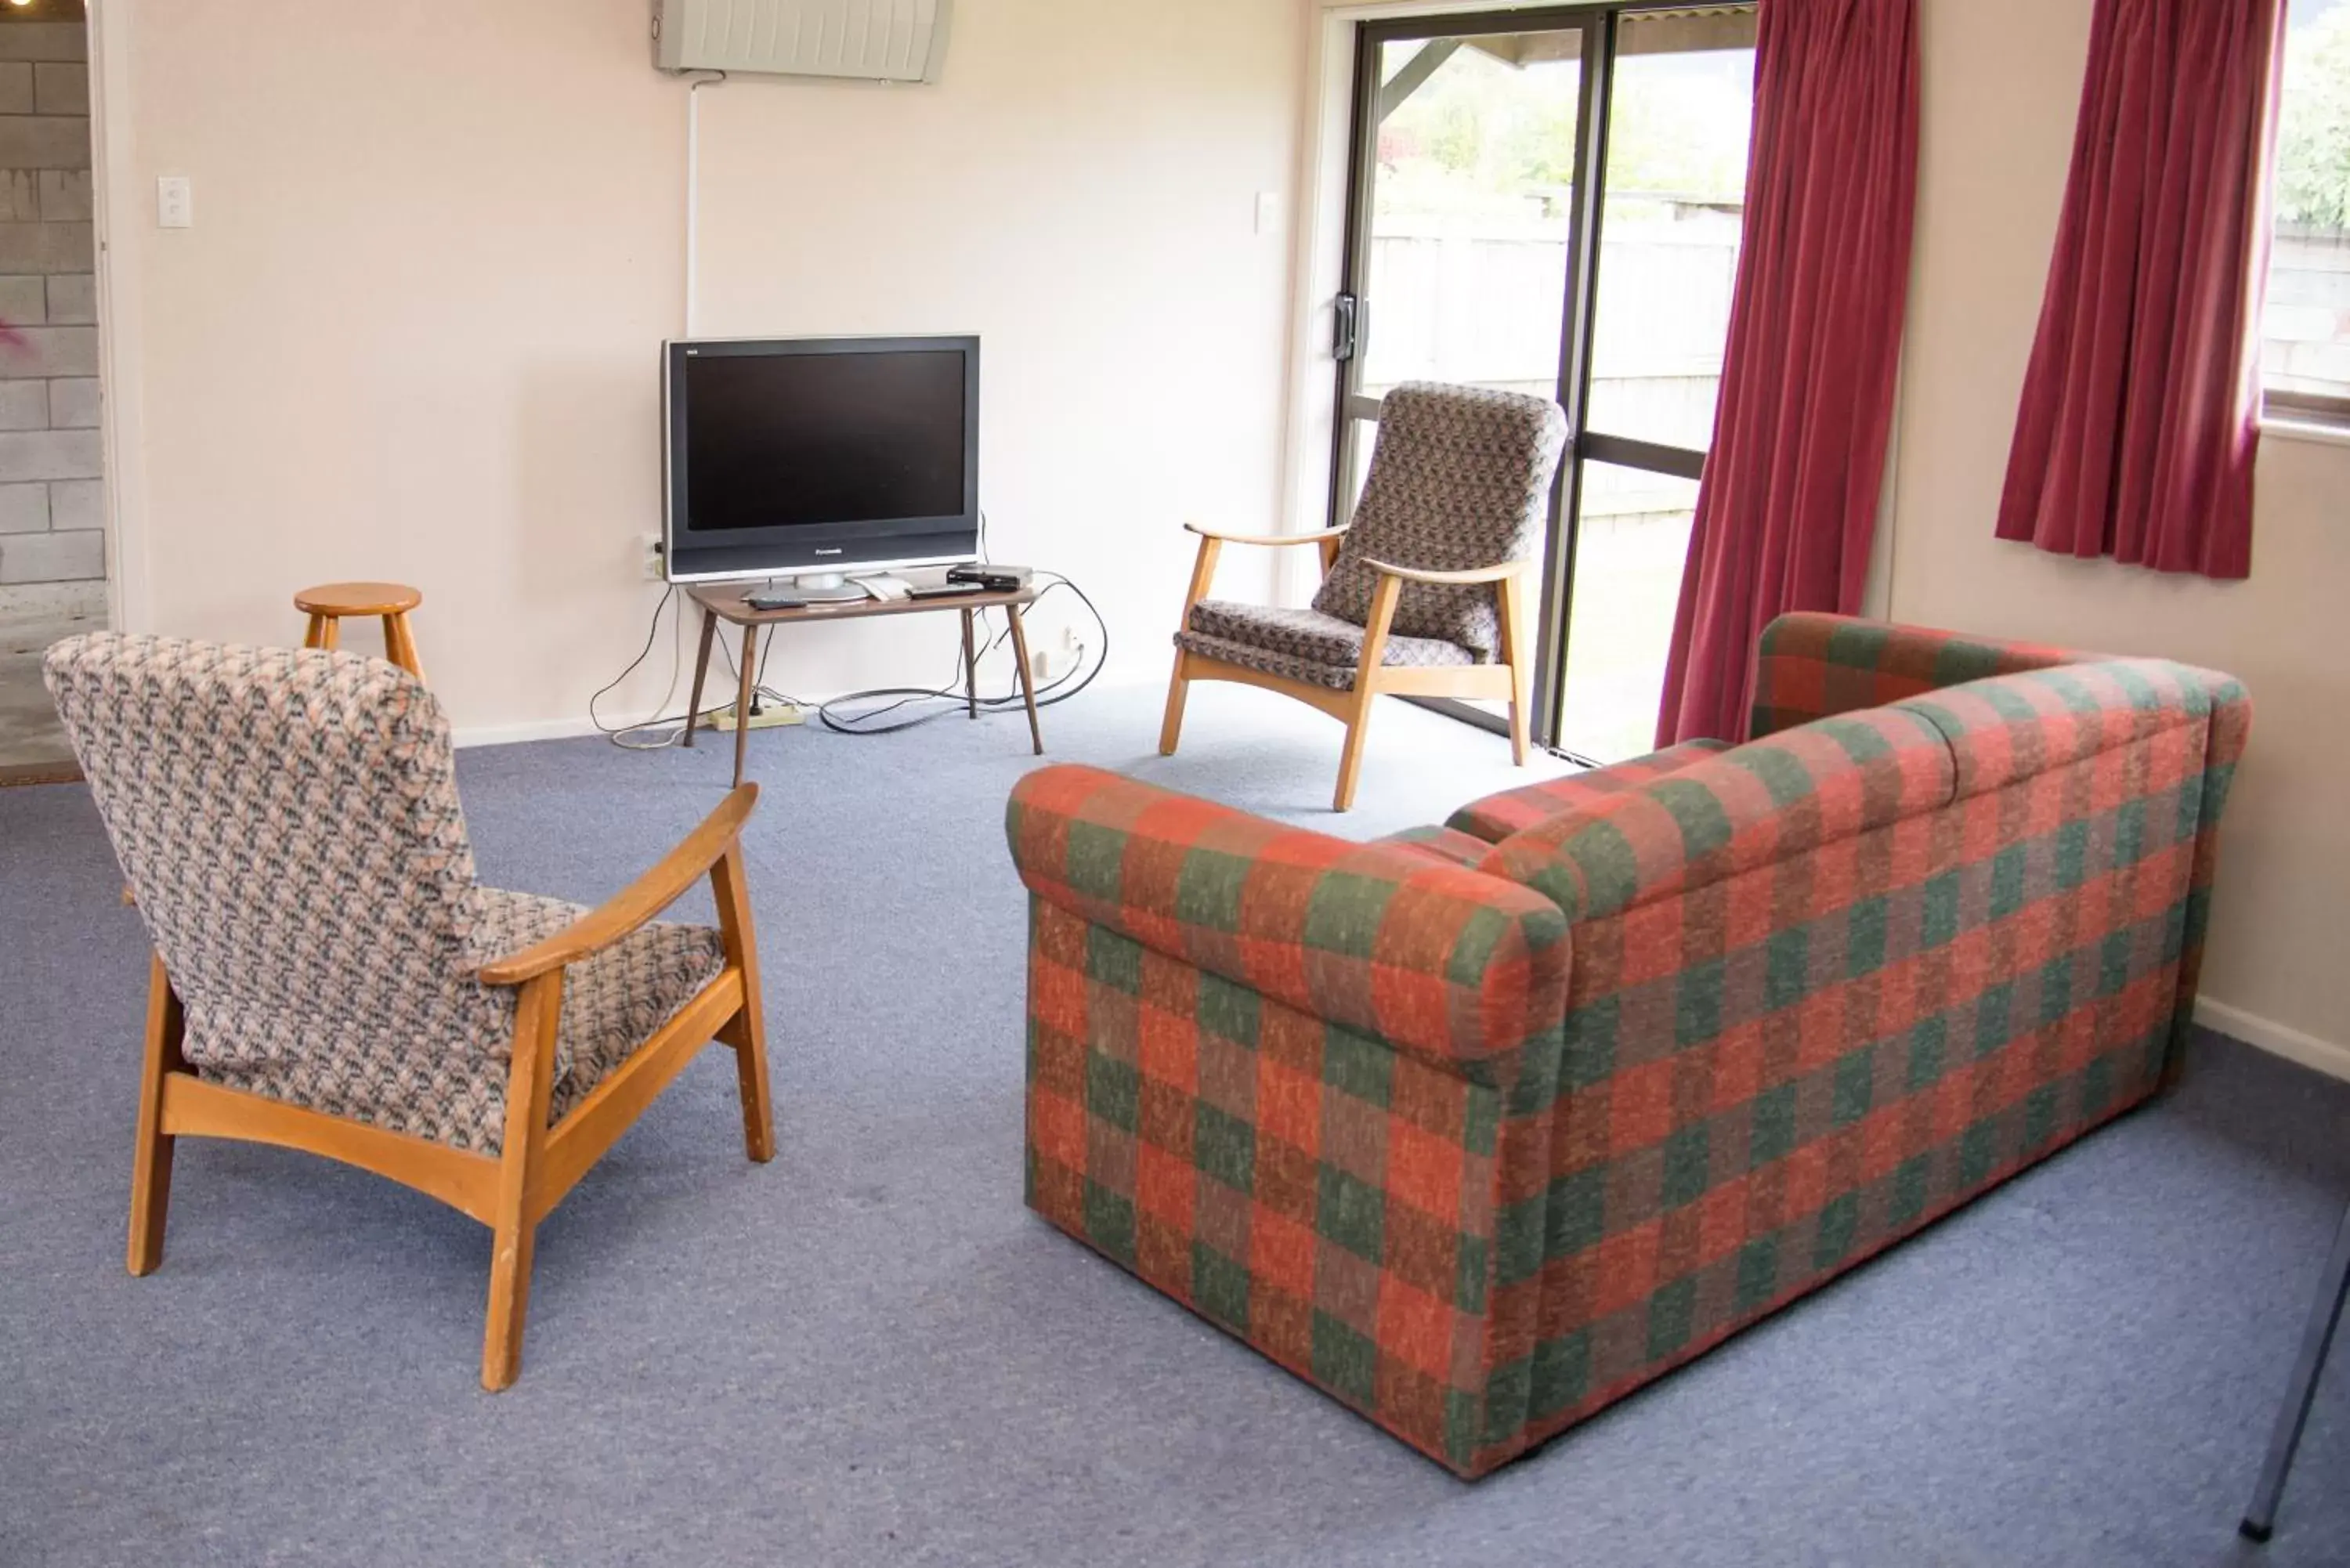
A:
[(1549, 202)]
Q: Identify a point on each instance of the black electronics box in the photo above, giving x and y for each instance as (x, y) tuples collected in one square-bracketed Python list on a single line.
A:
[(993, 579)]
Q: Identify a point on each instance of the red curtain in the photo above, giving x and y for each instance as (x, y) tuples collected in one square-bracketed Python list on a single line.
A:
[(1788, 508), (2140, 411)]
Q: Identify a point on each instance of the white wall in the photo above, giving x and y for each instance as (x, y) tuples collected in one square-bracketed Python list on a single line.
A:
[(413, 334), (1081, 191), (1996, 139)]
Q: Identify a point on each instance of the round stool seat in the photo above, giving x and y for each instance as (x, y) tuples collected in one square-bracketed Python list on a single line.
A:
[(328, 604), (357, 599)]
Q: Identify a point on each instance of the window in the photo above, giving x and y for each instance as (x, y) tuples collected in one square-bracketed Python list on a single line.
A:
[(2305, 330), (1549, 201)]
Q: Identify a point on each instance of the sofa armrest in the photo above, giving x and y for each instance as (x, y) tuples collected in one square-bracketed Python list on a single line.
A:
[(1437, 960), (1810, 666)]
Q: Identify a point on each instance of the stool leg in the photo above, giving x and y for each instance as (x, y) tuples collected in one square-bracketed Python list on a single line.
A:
[(331, 634), (399, 644), (316, 636)]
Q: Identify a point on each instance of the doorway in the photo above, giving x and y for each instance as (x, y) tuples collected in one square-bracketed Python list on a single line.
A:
[(53, 532), (1550, 202)]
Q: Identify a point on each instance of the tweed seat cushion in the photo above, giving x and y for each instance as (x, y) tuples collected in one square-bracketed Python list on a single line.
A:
[(1301, 644), (618, 998)]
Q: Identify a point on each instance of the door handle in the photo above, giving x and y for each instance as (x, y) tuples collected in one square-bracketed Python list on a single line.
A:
[(1345, 340)]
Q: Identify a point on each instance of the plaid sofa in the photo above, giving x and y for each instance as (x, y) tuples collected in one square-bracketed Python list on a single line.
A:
[(1481, 1126)]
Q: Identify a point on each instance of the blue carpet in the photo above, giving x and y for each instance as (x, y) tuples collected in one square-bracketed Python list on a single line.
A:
[(869, 1352)]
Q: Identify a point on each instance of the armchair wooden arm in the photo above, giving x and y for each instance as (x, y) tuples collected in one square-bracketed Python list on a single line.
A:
[(1211, 544), (1318, 537), (538, 1163), (637, 903), (1502, 573)]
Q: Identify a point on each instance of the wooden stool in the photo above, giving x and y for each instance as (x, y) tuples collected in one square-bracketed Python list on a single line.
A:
[(327, 604)]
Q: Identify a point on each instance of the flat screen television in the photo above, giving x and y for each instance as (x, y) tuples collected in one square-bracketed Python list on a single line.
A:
[(811, 457)]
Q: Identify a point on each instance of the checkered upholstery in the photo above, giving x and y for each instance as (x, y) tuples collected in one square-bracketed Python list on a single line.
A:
[(1811, 666), (288, 823), (1428, 958), (1817, 990), (1445, 844), (1497, 817)]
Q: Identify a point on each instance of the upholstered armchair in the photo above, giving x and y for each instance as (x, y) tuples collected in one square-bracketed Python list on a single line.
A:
[(329, 976), (1423, 595)]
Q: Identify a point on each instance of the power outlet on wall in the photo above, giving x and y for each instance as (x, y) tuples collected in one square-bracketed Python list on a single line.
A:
[(1055, 659), (650, 557)]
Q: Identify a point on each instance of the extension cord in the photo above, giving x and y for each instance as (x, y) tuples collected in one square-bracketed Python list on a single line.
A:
[(769, 717)]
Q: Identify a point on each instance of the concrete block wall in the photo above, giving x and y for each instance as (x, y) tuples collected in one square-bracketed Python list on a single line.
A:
[(52, 494)]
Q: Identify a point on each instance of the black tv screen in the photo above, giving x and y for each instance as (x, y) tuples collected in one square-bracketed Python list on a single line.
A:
[(821, 454)]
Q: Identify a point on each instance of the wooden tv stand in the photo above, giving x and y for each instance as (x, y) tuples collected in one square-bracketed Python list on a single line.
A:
[(723, 601)]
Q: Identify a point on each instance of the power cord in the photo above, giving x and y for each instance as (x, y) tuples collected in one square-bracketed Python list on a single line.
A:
[(669, 731), (861, 724)]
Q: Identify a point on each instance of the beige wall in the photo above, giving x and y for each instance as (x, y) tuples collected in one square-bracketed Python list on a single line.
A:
[(1996, 139), (413, 333), (1081, 191)]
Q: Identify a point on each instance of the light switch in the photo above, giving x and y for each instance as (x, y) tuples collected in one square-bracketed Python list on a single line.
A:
[(1268, 211), (176, 203)]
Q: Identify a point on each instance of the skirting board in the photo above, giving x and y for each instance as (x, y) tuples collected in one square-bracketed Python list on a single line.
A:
[(2325, 1057), (515, 735)]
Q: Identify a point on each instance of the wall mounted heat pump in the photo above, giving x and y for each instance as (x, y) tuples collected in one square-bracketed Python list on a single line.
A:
[(872, 40)]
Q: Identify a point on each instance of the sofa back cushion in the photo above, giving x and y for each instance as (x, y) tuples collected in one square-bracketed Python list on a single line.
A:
[(1766, 801), (2017, 725), (1811, 666)]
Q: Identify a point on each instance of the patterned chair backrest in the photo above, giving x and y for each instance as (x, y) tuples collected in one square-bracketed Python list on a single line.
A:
[(1460, 480), (289, 826)]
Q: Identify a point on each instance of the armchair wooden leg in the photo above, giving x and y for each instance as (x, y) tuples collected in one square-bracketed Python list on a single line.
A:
[(748, 1030), (1350, 760), (510, 1260), (1517, 651), (529, 1087), (150, 1164), (1367, 686), (1179, 687)]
